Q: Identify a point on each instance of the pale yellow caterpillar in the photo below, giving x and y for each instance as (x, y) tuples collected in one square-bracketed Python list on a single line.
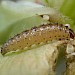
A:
[(36, 35)]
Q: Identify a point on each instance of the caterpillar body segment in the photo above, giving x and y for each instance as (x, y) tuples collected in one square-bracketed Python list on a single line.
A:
[(36, 35)]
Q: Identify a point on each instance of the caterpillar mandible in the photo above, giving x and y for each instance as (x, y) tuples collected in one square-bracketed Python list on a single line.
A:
[(36, 35)]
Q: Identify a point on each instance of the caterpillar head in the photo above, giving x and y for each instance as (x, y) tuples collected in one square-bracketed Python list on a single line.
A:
[(71, 32)]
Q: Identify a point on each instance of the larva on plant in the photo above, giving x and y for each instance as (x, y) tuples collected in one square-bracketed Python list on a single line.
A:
[(36, 35)]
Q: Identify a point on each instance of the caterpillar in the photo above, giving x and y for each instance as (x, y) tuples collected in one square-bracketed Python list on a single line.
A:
[(36, 35)]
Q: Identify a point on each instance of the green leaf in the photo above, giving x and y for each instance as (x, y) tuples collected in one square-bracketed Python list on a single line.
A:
[(14, 20), (10, 18), (66, 7)]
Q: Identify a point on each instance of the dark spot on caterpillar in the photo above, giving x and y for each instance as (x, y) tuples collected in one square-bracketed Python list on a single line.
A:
[(38, 43), (34, 28), (18, 35), (27, 43), (11, 38), (67, 39), (25, 38), (60, 29), (25, 32), (42, 26), (51, 40), (45, 16), (66, 27), (44, 38), (65, 31), (41, 16), (59, 38), (63, 35), (46, 41), (19, 46), (61, 25), (56, 23), (46, 32)]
